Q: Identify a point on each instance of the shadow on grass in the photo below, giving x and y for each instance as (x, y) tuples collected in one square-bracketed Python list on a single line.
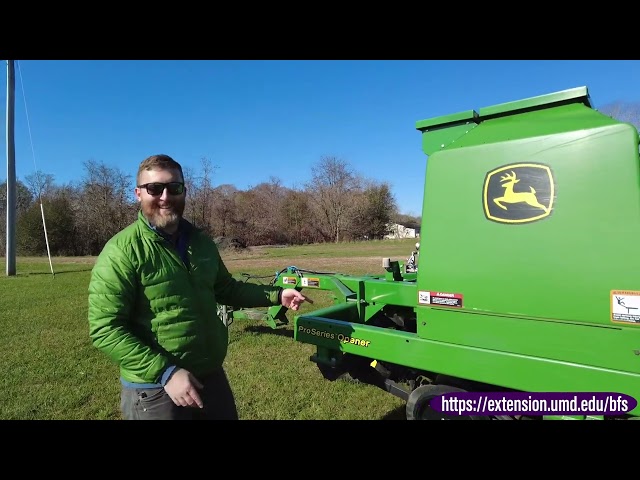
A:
[(396, 414), (60, 272), (262, 329)]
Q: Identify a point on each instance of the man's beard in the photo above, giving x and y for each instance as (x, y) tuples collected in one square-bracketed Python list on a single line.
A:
[(164, 218)]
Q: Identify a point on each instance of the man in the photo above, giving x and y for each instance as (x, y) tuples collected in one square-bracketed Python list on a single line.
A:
[(153, 299)]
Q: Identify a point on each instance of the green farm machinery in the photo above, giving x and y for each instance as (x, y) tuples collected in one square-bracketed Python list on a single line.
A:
[(526, 279)]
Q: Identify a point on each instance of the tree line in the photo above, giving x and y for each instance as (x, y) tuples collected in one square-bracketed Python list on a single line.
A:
[(337, 204)]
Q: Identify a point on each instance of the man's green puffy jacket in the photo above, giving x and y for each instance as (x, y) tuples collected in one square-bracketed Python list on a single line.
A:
[(148, 311)]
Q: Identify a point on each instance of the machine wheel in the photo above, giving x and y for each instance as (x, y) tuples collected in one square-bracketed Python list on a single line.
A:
[(419, 404)]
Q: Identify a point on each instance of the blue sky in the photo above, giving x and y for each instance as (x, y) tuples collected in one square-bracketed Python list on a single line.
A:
[(260, 119)]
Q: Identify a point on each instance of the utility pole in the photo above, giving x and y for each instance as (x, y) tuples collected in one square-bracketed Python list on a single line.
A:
[(11, 171)]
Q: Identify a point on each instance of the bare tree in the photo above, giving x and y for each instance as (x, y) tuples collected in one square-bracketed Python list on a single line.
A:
[(200, 191), (265, 213), (298, 218), (40, 184), (224, 213), (330, 192), (104, 206), (624, 111), (206, 193), (193, 190), (374, 209), (242, 229)]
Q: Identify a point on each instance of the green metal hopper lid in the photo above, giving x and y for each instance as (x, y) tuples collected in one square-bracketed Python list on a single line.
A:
[(572, 95), (444, 120)]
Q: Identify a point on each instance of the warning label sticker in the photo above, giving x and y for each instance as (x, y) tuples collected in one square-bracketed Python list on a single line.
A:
[(625, 306), (440, 299), (289, 280), (310, 282)]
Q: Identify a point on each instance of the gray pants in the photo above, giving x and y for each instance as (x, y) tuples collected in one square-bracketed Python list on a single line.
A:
[(155, 403)]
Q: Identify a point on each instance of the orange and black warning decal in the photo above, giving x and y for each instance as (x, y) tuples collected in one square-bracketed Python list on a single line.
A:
[(440, 299), (310, 282), (625, 307), (518, 193)]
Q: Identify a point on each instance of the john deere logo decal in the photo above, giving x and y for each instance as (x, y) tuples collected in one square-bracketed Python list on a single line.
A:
[(518, 193)]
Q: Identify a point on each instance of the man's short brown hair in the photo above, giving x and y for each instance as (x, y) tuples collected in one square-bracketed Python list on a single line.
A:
[(159, 162)]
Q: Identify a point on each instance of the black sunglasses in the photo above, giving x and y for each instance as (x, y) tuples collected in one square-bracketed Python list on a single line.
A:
[(156, 188)]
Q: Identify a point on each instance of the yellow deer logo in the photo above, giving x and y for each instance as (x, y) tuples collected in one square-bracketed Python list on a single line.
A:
[(508, 181)]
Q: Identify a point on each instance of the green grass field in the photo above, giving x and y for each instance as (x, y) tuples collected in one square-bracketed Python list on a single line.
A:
[(51, 370)]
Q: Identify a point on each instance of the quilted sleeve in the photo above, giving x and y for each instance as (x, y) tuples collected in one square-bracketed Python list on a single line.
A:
[(112, 294)]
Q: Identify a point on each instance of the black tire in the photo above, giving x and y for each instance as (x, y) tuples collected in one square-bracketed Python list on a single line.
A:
[(419, 404)]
